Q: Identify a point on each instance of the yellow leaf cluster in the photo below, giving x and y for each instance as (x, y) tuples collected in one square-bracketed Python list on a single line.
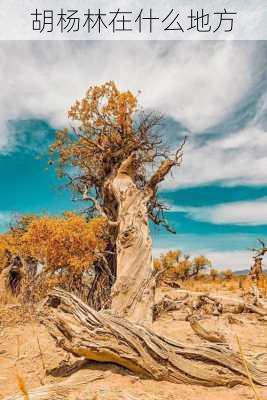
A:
[(67, 243), (105, 104), (175, 264)]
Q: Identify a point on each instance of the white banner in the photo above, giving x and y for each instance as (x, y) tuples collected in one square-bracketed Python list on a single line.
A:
[(133, 20)]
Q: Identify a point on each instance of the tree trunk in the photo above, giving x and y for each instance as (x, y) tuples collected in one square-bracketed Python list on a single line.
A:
[(134, 290), (104, 337)]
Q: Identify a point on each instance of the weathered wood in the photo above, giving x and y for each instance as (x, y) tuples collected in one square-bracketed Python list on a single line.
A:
[(134, 290), (209, 335), (206, 303), (168, 304), (104, 337)]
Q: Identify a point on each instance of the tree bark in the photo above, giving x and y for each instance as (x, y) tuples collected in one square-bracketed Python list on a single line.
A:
[(102, 336), (209, 335), (134, 289)]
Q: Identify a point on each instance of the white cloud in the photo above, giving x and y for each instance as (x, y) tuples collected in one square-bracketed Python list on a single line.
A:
[(197, 83), (239, 158), (237, 213), (235, 260)]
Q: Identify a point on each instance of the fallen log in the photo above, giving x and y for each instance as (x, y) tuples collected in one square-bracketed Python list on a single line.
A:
[(104, 337), (255, 309), (206, 303), (168, 304)]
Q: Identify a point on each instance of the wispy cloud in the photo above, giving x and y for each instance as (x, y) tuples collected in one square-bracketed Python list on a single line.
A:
[(197, 83), (239, 158), (235, 213), (235, 260)]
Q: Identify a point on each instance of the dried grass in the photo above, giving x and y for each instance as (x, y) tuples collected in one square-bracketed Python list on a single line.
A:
[(22, 386), (257, 397), (21, 308), (19, 378), (42, 379), (237, 284)]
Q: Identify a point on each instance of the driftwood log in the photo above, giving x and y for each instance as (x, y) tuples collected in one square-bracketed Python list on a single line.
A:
[(104, 337)]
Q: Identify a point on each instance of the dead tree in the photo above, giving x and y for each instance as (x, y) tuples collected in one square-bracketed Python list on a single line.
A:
[(203, 304), (256, 269), (134, 289)]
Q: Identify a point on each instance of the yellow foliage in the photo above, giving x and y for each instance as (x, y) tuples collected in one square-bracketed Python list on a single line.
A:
[(68, 243), (174, 264), (178, 266), (157, 264), (102, 103), (105, 135)]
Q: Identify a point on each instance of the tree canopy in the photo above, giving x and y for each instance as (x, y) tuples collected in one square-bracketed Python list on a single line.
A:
[(108, 126)]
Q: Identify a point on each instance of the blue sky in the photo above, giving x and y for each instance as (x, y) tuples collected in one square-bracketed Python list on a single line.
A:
[(215, 92)]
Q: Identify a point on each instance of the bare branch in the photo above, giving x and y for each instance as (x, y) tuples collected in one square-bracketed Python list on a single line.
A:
[(261, 251), (98, 207), (86, 138), (165, 167)]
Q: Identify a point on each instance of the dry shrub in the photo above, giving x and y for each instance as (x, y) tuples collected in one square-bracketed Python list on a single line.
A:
[(174, 266), (262, 284), (22, 307), (47, 252)]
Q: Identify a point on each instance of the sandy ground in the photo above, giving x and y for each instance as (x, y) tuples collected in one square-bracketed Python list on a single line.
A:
[(20, 356)]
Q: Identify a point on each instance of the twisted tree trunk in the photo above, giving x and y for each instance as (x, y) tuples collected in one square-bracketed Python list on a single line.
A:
[(134, 290), (102, 336)]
